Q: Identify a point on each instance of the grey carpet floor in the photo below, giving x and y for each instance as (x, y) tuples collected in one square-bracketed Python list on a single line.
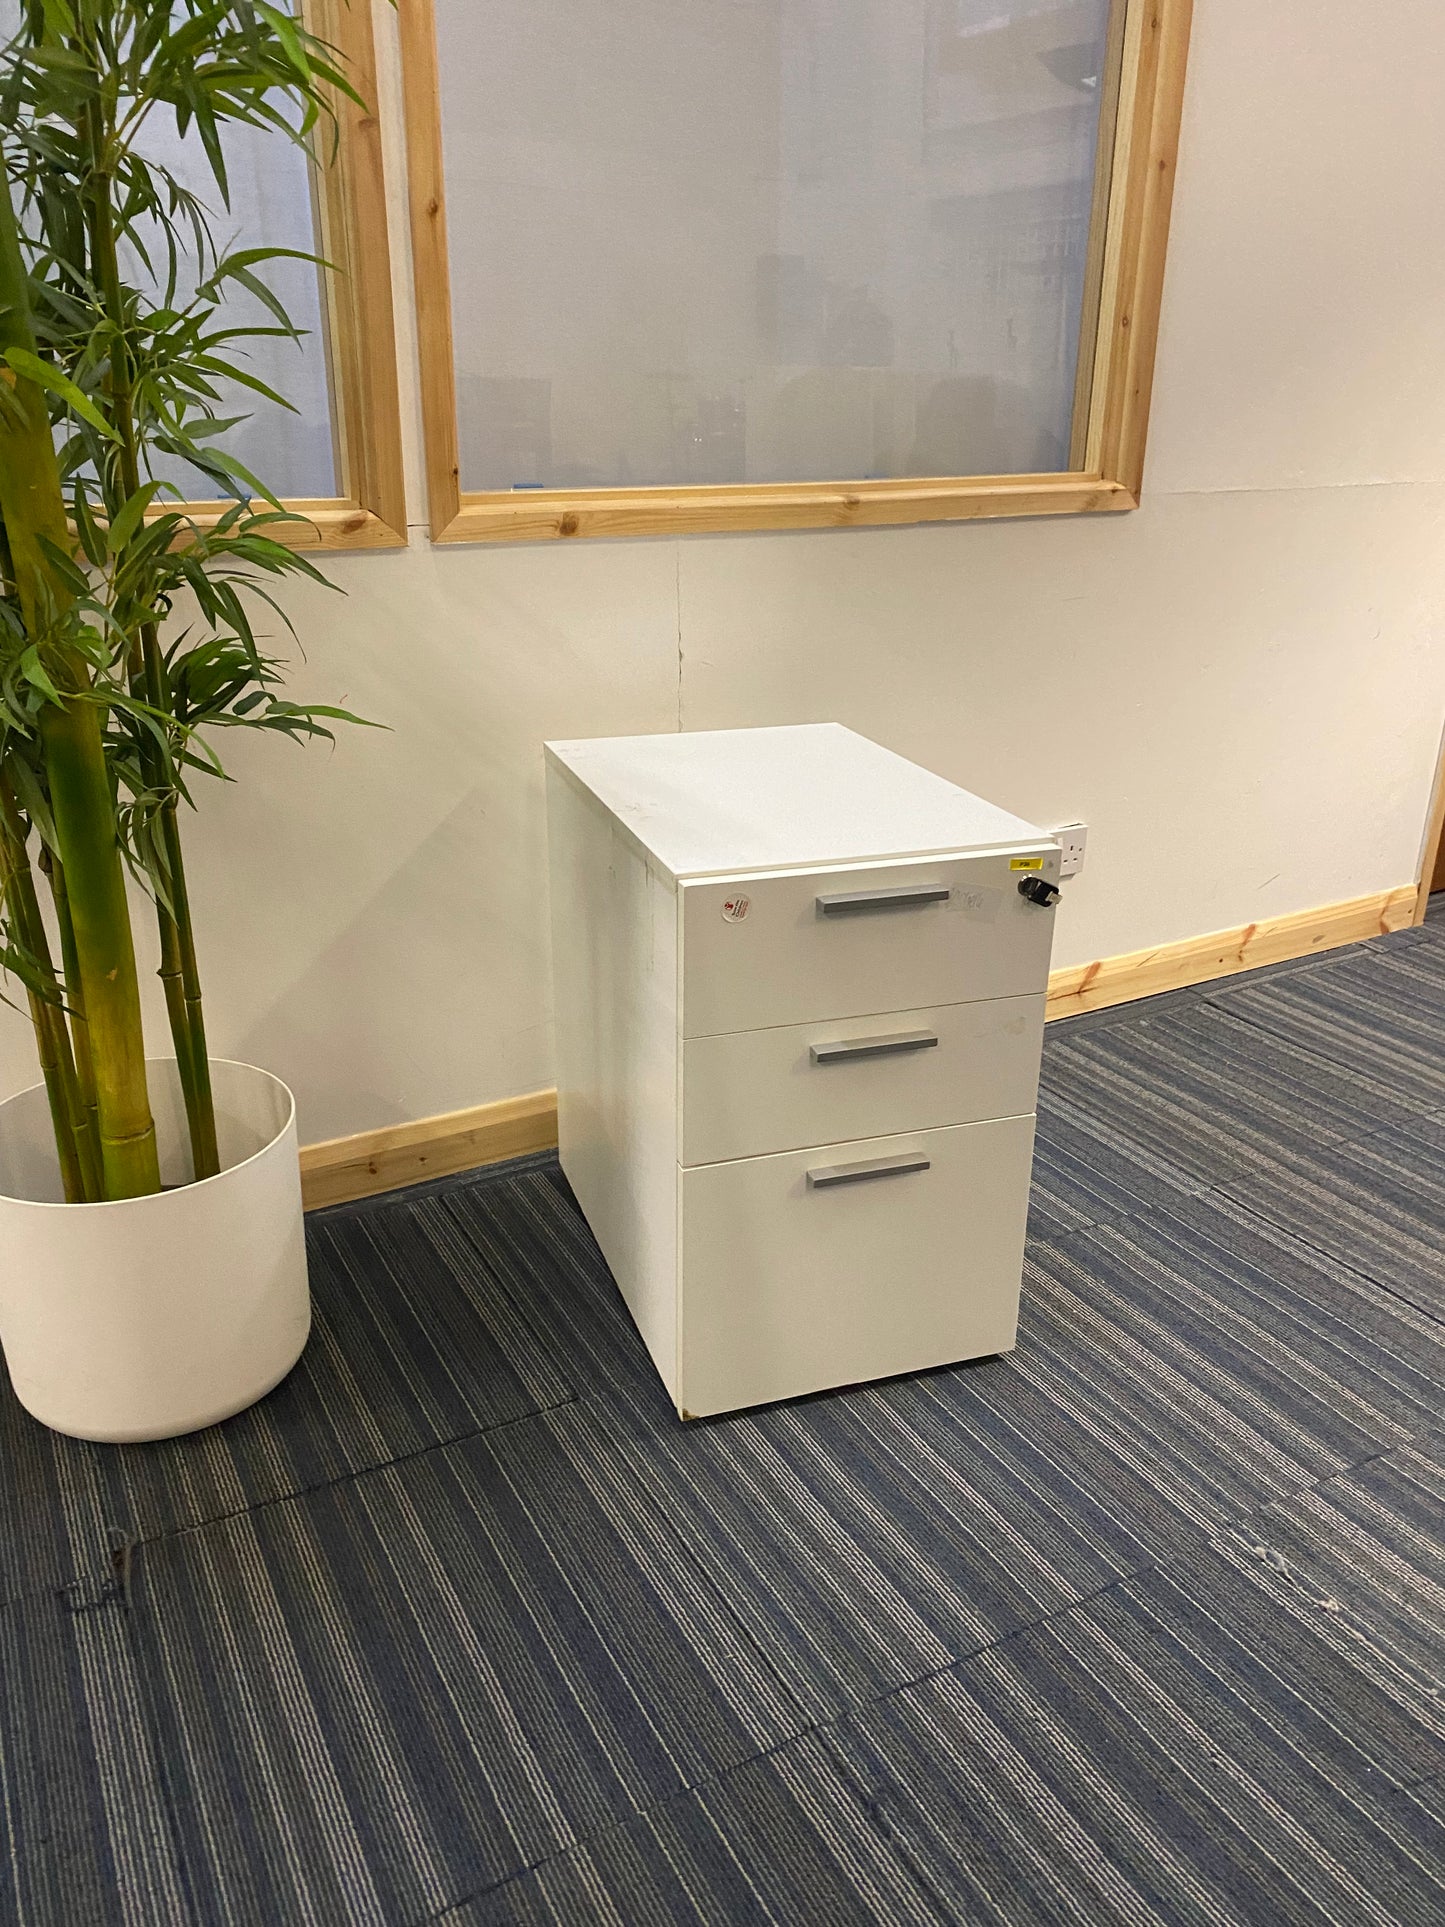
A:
[(1142, 1623)]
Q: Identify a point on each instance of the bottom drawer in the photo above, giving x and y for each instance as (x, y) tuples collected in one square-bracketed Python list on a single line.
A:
[(810, 1269)]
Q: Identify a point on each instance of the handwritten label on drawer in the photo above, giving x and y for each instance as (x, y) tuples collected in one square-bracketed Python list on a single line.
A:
[(978, 905)]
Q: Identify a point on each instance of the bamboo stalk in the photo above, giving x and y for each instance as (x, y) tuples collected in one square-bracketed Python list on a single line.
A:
[(81, 800), (82, 803), (80, 1185), (79, 1175), (179, 969), (75, 1000), (196, 1083)]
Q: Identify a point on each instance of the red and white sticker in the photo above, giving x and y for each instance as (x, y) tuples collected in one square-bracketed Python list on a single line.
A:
[(736, 908)]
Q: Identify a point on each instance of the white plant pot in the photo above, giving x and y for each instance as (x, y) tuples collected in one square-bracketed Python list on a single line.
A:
[(155, 1316)]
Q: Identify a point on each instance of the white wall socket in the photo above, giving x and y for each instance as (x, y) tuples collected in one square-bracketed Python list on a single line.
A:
[(1072, 838)]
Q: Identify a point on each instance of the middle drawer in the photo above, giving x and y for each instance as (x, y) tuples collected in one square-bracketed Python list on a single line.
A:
[(751, 1093)]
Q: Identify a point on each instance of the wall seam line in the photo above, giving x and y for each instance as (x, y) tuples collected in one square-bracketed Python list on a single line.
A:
[(677, 551)]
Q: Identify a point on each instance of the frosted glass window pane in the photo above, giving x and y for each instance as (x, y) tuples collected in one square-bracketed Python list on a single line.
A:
[(270, 207), (712, 241)]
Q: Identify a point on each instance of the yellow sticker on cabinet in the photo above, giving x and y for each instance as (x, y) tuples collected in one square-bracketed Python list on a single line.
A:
[(1027, 863)]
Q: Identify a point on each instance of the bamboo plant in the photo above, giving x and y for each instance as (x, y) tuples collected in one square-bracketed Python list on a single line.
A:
[(118, 345)]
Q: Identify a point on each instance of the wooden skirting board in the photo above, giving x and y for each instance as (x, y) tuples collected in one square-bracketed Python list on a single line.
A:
[(434, 1147), (1197, 960)]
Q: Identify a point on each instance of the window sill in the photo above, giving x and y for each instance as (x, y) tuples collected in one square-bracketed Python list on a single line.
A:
[(540, 515)]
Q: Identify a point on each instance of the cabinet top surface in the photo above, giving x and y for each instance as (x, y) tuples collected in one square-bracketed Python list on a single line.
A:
[(710, 802)]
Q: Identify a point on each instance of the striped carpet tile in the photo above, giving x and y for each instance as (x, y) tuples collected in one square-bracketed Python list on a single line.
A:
[(1380, 1015), (857, 1556), (1362, 1557), (55, 1511), (1156, 1392), (383, 1696), (1085, 1379), (407, 1351), (846, 1539), (872, 1534), (1159, 1755), (780, 1842), (1427, 1797), (586, 1318), (1160, 1097), (981, 1499), (1426, 953), (84, 1829), (1020, 1787), (1256, 1434), (1377, 1205), (1217, 1311), (1086, 1172), (1082, 1023), (1141, 1488), (1209, 1093), (1178, 1750), (531, 1231)]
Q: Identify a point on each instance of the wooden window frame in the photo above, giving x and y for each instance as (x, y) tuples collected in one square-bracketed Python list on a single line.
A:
[(1134, 188), (349, 186)]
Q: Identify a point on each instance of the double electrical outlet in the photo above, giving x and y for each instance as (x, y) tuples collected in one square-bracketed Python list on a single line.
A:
[(1071, 838)]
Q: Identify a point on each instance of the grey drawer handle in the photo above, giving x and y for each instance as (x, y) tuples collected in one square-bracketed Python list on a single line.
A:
[(906, 896), (827, 1174), (853, 1047)]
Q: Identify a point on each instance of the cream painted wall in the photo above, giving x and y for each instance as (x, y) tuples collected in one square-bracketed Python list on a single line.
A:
[(1240, 687)]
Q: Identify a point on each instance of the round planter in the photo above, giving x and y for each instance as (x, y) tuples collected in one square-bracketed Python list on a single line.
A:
[(155, 1316)]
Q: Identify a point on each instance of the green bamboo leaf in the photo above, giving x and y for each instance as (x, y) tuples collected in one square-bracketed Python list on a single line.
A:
[(308, 710), (130, 516), (285, 31), (59, 60), (45, 375), (243, 379), (63, 566), (240, 259), (32, 798), (16, 962), (91, 539), (73, 453), (253, 284), (34, 672), (205, 120), (218, 463), (58, 17)]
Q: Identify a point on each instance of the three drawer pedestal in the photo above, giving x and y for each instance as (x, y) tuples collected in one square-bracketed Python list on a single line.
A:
[(796, 1097)]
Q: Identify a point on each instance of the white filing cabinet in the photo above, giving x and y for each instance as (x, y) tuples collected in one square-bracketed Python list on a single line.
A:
[(799, 1008)]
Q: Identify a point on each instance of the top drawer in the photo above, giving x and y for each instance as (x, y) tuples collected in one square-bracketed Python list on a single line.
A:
[(788, 947)]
